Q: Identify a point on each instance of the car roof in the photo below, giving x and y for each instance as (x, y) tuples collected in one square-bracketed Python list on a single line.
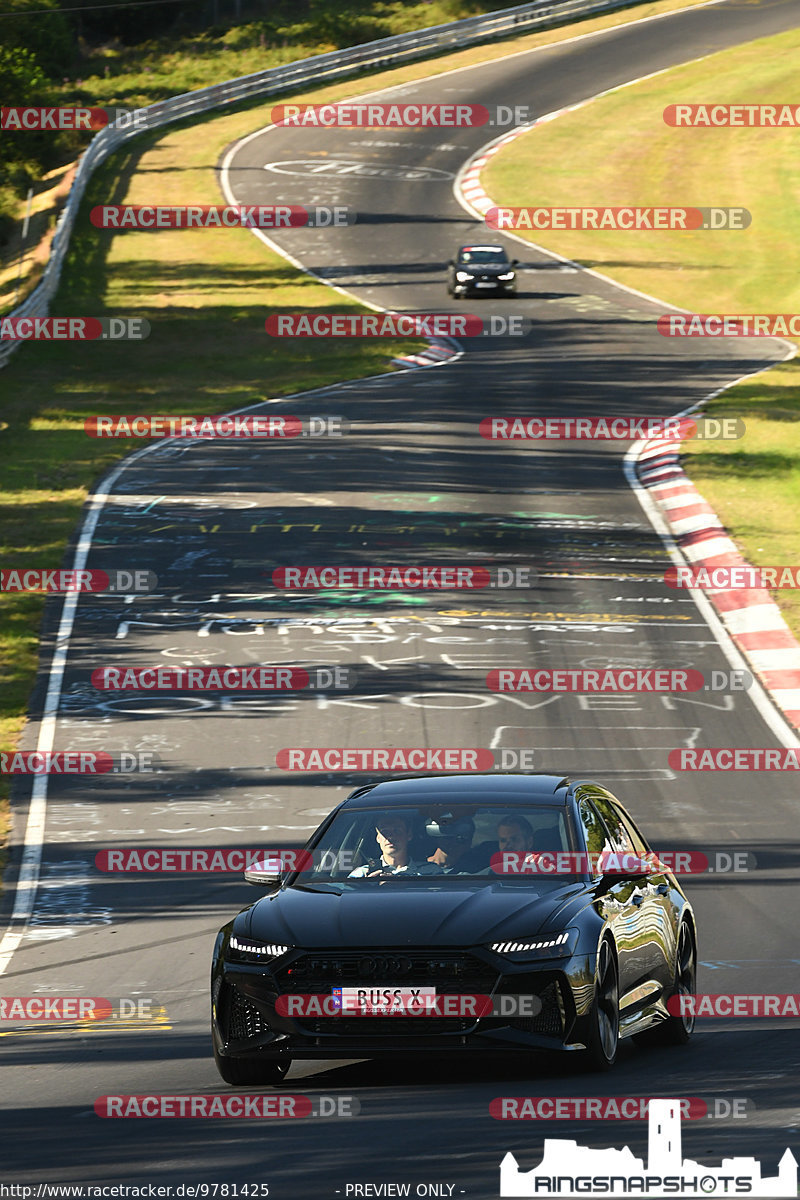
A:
[(494, 788)]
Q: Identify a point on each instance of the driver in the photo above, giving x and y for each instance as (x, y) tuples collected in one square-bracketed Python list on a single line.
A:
[(393, 832)]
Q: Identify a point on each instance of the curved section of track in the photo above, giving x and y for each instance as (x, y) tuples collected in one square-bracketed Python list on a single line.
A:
[(413, 483)]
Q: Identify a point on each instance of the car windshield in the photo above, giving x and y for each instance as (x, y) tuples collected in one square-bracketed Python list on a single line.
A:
[(436, 844), (483, 254)]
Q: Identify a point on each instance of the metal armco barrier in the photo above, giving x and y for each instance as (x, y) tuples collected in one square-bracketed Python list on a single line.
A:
[(322, 68)]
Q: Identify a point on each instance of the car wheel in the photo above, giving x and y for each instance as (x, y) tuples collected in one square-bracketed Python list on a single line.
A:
[(603, 1039), (242, 1072), (676, 1031)]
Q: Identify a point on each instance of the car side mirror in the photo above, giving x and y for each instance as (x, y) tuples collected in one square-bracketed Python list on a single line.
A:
[(264, 875), (514, 262), (451, 262)]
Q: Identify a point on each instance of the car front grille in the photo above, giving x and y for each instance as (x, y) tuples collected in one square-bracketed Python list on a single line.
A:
[(450, 973), (549, 1021)]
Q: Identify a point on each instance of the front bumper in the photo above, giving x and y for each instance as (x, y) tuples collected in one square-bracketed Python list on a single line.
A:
[(246, 1022), (471, 288)]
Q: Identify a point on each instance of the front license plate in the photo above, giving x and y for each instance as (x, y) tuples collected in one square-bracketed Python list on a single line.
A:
[(486, 285), (385, 1000)]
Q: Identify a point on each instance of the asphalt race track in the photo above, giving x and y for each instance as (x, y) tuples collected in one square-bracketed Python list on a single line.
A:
[(413, 482)]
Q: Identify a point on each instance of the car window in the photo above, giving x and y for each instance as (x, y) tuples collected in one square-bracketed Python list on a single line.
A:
[(483, 254), (456, 839), (598, 839), (637, 841), (621, 836)]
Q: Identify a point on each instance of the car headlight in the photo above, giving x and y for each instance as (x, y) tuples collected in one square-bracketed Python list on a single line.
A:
[(247, 951), (463, 276), (557, 945), (510, 275)]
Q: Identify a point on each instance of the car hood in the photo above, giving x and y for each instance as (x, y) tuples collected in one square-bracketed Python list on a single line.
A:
[(416, 917)]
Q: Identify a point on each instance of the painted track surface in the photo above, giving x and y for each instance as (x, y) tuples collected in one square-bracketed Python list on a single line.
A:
[(414, 482)]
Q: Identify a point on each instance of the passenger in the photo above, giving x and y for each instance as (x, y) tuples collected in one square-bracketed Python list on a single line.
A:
[(393, 832), (514, 833)]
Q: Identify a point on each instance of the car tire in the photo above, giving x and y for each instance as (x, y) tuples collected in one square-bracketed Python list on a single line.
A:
[(603, 1040), (676, 1031), (244, 1072)]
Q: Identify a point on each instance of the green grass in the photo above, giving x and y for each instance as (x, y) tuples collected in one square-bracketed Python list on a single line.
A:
[(617, 150)]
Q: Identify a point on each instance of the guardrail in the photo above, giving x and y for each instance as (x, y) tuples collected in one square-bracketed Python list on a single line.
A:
[(322, 68)]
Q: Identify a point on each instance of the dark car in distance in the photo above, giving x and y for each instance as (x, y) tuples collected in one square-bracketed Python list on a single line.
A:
[(480, 270), (415, 892)]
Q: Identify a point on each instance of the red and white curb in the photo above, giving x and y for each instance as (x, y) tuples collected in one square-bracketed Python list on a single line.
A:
[(750, 615), (441, 350)]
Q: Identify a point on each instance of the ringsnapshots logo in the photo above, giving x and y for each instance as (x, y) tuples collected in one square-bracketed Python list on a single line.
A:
[(74, 329), (408, 577), (42, 117), (62, 582), (395, 325), (373, 115), (153, 218), (569, 1170), (610, 429), (629, 219), (224, 426)]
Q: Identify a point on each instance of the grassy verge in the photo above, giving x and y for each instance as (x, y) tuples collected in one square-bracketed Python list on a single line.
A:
[(617, 150)]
